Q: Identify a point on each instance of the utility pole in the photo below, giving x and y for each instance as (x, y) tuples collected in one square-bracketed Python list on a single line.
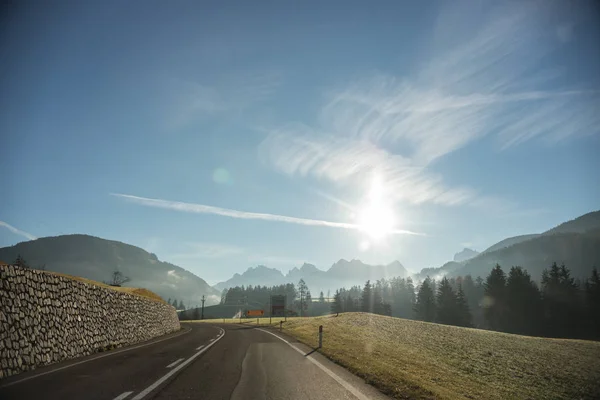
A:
[(202, 316)]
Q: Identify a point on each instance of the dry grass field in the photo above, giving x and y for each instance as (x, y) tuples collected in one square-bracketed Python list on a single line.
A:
[(419, 360)]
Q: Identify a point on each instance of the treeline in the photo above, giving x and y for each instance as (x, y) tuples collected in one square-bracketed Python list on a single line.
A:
[(299, 298), (394, 297), (177, 304), (513, 302)]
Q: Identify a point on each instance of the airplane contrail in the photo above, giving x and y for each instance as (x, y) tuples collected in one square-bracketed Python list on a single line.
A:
[(225, 212)]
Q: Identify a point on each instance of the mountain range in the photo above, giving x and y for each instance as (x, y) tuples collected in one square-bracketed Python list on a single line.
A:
[(341, 274), (95, 258), (575, 243), (465, 254)]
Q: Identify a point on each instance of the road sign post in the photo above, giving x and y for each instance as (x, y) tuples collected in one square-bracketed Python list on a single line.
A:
[(277, 308), (320, 336), (255, 313)]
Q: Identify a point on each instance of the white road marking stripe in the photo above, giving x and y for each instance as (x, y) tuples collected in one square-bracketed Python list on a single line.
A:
[(358, 394), (156, 384), (122, 396), (112, 353), (211, 340), (200, 347), (174, 363)]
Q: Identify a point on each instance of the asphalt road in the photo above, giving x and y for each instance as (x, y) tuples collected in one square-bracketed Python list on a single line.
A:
[(202, 361)]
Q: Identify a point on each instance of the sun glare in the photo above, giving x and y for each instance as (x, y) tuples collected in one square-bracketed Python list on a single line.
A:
[(376, 218)]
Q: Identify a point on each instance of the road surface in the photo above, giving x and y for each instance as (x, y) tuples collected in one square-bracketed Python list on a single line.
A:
[(202, 361)]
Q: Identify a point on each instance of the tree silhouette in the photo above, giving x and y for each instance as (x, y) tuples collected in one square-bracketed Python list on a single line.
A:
[(560, 295), (302, 289), (446, 303), (425, 302), (463, 316), (523, 303), (20, 261), (117, 279), (336, 306), (494, 308), (366, 299), (592, 302)]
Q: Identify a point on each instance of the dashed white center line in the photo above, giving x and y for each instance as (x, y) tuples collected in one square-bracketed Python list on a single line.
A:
[(211, 340), (122, 396), (174, 363), (160, 381), (200, 347)]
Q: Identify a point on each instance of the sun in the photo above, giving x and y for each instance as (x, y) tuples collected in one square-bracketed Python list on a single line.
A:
[(376, 217), (377, 221)]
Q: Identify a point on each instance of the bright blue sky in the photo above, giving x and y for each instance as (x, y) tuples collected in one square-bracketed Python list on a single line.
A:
[(476, 122)]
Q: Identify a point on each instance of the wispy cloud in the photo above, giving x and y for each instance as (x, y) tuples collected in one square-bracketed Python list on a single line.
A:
[(225, 212), (228, 93), (486, 86), (348, 160), (17, 231)]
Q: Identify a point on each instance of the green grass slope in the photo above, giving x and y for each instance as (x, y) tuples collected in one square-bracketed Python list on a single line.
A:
[(420, 360)]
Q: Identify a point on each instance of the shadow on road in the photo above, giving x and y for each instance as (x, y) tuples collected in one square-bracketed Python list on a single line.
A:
[(310, 352)]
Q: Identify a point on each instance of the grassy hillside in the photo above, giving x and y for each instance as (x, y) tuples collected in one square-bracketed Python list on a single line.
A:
[(413, 359), (95, 259), (136, 291)]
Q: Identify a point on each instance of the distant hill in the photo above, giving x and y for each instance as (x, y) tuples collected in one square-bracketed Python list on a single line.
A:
[(509, 242), (578, 251), (465, 254), (341, 274), (575, 243), (585, 223), (95, 258)]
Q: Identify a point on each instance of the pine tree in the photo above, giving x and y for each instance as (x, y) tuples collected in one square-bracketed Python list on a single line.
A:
[(366, 300), (494, 308), (20, 261), (169, 301), (321, 297), (378, 305), (473, 294), (302, 289), (592, 303), (425, 302), (462, 308), (523, 303), (308, 302), (446, 304), (336, 306), (562, 307)]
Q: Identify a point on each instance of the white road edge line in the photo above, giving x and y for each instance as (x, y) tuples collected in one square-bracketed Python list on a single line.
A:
[(112, 353), (199, 347), (156, 384), (357, 393), (122, 396), (174, 363)]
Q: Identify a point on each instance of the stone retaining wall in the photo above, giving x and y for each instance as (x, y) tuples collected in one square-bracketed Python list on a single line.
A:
[(45, 318)]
